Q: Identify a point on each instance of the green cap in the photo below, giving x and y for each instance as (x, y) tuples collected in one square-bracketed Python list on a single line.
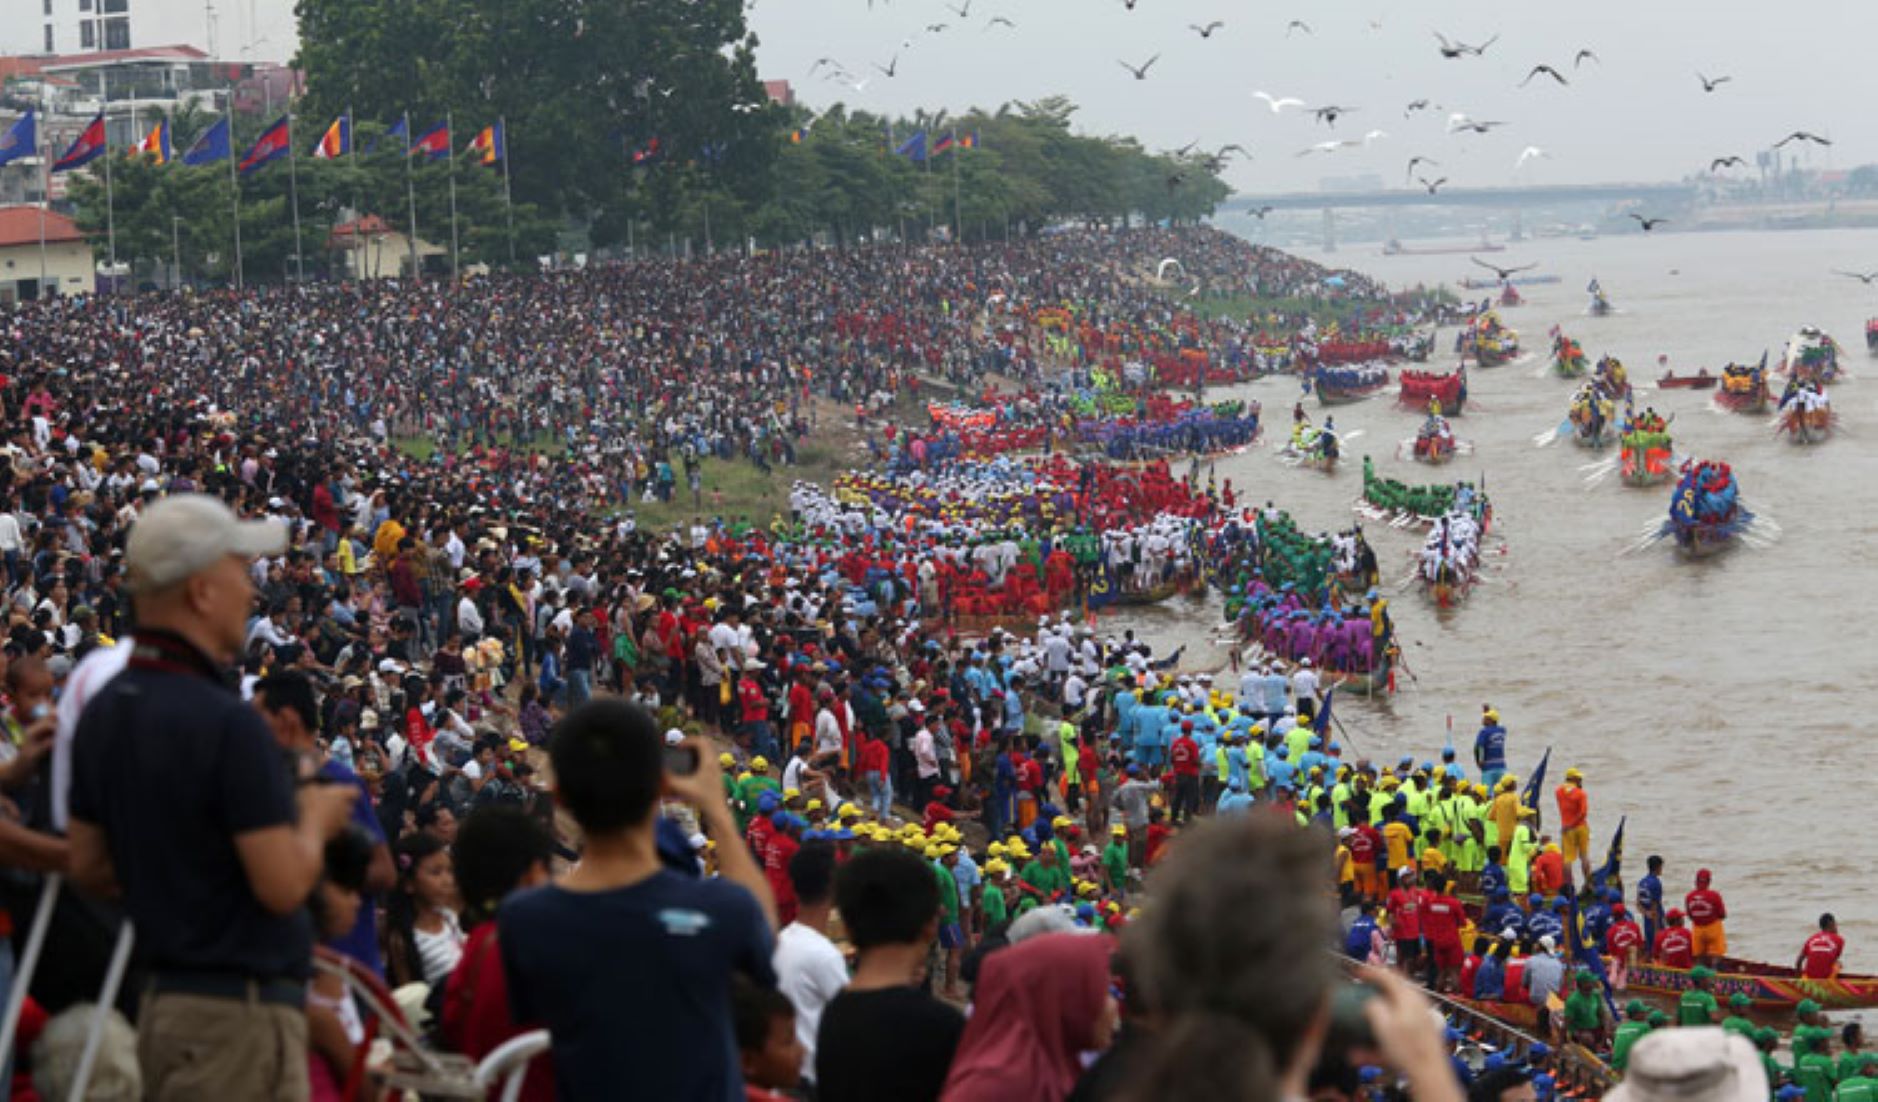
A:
[(1702, 972), (1739, 1001), (1807, 1006), (1765, 1034), (1636, 1008), (1658, 1019), (1586, 979)]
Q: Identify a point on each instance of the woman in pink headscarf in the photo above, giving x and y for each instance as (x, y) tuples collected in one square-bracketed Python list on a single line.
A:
[(1038, 1006)]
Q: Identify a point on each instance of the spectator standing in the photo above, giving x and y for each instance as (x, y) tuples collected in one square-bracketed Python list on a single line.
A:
[(809, 969)]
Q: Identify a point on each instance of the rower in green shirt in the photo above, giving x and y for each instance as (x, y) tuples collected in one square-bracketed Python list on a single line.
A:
[(1634, 1028), (1853, 1060), (992, 903), (1697, 1005), (1045, 875), (1115, 858), (1815, 1071), (1737, 1021)]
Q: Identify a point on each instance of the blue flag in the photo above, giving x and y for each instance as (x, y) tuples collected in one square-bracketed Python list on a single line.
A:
[(1103, 588), (20, 140), (1613, 859), (1322, 722), (210, 146), (914, 148), (1536, 786)]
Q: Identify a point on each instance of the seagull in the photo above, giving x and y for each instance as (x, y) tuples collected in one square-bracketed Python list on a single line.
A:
[(1504, 273), (1710, 85), (1207, 31), (999, 21), (1186, 149), (963, 11), (1462, 122), (1260, 212), (1298, 25), (821, 61), (861, 85), (1432, 187), (1328, 115), (1418, 160), (1548, 71), (1802, 136), (1863, 277), (1141, 73), (1582, 55), (1278, 105), (1414, 106), (1531, 152), (936, 28), (745, 108), (1374, 136), (1160, 270), (1456, 49), (1648, 224), (1329, 147), (1726, 162), (890, 68), (1228, 150)]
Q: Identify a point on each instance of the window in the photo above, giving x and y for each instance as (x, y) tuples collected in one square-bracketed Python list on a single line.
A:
[(113, 7), (48, 7), (84, 5), (48, 34), (117, 34), (87, 35)]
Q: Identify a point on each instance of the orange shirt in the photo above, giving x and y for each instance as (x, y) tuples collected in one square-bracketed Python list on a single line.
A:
[(1573, 806)]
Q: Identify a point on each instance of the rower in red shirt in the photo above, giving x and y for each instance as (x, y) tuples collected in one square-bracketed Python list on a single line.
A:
[(1623, 943), (1441, 918), (1706, 913), (1675, 947), (1819, 957)]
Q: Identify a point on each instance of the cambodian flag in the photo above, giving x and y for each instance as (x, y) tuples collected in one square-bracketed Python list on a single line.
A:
[(274, 143), (86, 148), (433, 144)]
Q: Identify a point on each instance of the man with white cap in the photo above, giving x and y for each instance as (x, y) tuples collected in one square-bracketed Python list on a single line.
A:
[(1696, 1064), (181, 803)]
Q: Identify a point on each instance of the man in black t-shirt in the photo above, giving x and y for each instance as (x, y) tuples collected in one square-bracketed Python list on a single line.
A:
[(883, 1037)]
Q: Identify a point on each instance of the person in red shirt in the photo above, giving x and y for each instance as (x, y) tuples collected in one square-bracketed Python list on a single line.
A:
[(1366, 849), (1441, 918), (801, 707), (1819, 957), (1471, 966), (1183, 757), (1675, 947), (1548, 869), (1706, 912), (776, 854), (1623, 943), (1405, 926), (1158, 834)]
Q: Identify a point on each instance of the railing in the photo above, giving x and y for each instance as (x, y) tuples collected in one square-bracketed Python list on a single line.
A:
[(1577, 1071)]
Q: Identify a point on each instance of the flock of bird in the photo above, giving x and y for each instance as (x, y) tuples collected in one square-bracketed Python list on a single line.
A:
[(1329, 114)]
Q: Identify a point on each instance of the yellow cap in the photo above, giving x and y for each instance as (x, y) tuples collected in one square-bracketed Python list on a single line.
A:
[(744, 776), (1119, 831), (725, 760), (759, 764), (848, 811), (815, 805), (792, 793), (1573, 774)]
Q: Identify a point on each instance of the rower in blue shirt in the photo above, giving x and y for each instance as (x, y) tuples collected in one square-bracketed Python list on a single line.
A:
[(1490, 749), (1650, 900)]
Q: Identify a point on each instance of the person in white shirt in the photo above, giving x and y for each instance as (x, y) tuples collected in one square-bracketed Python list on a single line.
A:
[(809, 969), (1304, 683), (469, 619)]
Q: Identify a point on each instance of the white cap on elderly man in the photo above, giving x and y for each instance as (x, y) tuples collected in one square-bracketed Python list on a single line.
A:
[(185, 534), (674, 737)]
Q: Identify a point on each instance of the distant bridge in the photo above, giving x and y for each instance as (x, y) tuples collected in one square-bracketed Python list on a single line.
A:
[(1500, 197)]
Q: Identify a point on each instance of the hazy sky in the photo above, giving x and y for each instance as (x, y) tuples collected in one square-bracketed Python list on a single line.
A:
[(1639, 115)]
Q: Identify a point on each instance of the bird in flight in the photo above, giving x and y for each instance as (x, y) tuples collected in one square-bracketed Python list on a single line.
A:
[(1141, 71), (1207, 31), (1648, 224), (1531, 152), (1802, 136), (1454, 49), (1329, 147), (890, 68), (1329, 115), (1462, 122), (1176, 180), (1726, 162), (1298, 25), (1863, 277), (1414, 106), (1260, 212), (1433, 186), (821, 61), (1583, 56), (1374, 136), (1546, 70), (1186, 149), (963, 11), (936, 28), (1710, 85), (1278, 105), (999, 21), (1504, 273), (1419, 160)]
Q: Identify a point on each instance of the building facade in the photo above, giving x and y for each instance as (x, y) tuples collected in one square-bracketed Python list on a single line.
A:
[(240, 30), (63, 265)]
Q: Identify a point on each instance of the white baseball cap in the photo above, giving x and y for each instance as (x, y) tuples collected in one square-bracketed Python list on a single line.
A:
[(185, 534)]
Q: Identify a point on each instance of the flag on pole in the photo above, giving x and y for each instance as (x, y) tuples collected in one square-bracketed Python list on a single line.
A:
[(433, 144), (86, 148), (944, 144), (274, 143), (1321, 723), (969, 141), (156, 143), (337, 141), (489, 146), (796, 136), (1613, 859), (914, 148), (1535, 787), (397, 132), (646, 152), (210, 146), (21, 139)]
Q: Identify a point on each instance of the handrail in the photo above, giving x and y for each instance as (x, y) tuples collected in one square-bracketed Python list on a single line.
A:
[(1575, 1064), (511, 1058)]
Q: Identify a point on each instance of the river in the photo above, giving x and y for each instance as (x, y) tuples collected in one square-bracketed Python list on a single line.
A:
[(1717, 703)]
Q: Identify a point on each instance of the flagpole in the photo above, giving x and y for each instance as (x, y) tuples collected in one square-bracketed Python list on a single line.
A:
[(293, 192), (234, 188), (42, 138), (449, 152), (110, 204), (958, 223), (410, 195), (508, 197)]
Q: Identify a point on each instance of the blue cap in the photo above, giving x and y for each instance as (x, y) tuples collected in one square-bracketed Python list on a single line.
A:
[(1536, 899), (1539, 1051), (1561, 904), (766, 803), (1790, 1091), (779, 820), (1369, 1074), (1494, 1061), (1453, 1035), (1428, 766)]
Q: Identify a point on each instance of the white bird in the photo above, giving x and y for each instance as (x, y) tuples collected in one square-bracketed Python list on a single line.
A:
[(1329, 147), (1278, 105), (1160, 271), (1374, 136), (1530, 153)]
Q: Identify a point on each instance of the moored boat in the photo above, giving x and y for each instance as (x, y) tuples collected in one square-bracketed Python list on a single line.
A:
[(1341, 385), (1701, 380), (1436, 393), (1769, 987)]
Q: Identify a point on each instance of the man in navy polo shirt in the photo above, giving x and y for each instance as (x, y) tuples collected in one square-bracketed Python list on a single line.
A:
[(182, 804)]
